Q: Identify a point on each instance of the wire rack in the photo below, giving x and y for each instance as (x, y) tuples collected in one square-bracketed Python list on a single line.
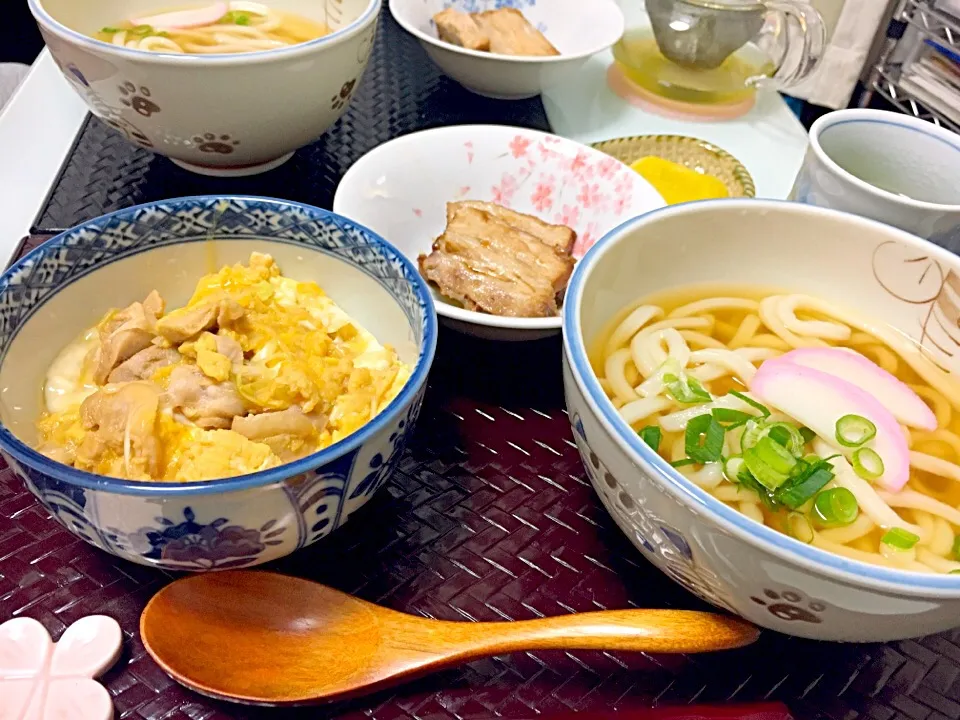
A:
[(913, 22)]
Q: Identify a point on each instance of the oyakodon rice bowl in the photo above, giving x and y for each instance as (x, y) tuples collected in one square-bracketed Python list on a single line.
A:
[(765, 397), (211, 113), (59, 291)]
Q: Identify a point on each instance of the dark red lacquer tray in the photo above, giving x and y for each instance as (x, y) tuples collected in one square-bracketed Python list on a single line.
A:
[(490, 517)]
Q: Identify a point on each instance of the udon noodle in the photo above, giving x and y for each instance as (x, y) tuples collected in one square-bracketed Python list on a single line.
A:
[(234, 27), (724, 386)]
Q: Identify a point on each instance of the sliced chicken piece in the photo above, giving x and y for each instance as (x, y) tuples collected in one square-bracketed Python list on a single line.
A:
[(230, 348), (154, 304), (511, 34), (291, 421), (459, 28), (206, 403), (187, 322), (127, 333), (123, 419), (144, 364)]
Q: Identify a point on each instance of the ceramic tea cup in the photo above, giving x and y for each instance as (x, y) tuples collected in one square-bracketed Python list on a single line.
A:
[(885, 166)]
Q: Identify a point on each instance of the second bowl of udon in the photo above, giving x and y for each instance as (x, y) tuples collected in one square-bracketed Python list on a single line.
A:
[(221, 88), (785, 443)]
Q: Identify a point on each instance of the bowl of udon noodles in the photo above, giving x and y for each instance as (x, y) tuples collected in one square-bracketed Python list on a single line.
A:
[(766, 398), (221, 88), (211, 382)]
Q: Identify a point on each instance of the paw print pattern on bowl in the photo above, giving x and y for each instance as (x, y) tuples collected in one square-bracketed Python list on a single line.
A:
[(667, 547), (791, 606), (43, 680), (211, 143), (343, 97), (138, 99)]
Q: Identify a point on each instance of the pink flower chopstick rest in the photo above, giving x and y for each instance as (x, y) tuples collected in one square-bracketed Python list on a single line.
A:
[(43, 680)]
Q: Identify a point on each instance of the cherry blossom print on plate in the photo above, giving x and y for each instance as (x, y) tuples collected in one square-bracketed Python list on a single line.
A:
[(562, 183)]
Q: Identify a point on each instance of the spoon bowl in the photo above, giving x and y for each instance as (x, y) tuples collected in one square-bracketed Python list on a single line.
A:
[(270, 639)]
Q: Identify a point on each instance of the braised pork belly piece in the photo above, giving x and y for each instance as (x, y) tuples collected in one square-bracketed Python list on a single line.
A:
[(498, 261), (459, 28), (504, 32)]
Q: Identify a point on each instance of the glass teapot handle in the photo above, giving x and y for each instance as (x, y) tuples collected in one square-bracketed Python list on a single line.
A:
[(802, 48)]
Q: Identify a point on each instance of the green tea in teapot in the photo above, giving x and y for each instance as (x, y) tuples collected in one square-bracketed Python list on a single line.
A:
[(640, 59)]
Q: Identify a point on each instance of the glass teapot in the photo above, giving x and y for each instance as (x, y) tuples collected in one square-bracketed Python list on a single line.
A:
[(718, 52)]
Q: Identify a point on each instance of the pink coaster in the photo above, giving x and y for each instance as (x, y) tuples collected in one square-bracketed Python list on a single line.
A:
[(43, 680), (628, 90)]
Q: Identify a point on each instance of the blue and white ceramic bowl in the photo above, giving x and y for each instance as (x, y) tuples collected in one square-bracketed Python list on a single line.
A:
[(64, 286), (711, 549), (911, 183), (578, 29)]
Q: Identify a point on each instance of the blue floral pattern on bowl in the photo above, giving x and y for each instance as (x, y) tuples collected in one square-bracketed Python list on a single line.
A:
[(475, 6), (238, 522), (215, 545), (664, 545)]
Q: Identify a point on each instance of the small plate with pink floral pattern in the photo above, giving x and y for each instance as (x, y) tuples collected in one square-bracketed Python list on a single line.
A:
[(400, 191)]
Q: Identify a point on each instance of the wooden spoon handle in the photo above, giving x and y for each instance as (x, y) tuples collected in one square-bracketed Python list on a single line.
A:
[(655, 631)]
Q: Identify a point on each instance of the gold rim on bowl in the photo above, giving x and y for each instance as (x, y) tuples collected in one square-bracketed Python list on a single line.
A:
[(690, 152)]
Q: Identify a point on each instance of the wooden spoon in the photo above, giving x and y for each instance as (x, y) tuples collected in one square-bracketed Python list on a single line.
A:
[(264, 638)]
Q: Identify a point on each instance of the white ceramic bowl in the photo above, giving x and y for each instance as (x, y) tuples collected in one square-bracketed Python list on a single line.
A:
[(714, 551), (216, 114), (577, 28), (67, 283), (401, 189)]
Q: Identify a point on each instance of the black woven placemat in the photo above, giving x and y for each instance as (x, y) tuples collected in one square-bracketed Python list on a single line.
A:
[(402, 91)]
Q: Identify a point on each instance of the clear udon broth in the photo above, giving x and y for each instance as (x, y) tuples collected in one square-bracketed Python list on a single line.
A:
[(728, 318), (245, 27)]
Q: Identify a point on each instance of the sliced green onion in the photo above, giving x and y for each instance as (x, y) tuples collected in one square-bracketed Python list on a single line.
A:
[(683, 462), (142, 30), (731, 418), (751, 433), (732, 467), (235, 17), (652, 436), (867, 463), (110, 30), (956, 547), (685, 389), (799, 527), (703, 439), (788, 436), (854, 430), (807, 434), (804, 485), (783, 433), (775, 455), (899, 538), (955, 572), (836, 507), (751, 483), (779, 435), (761, 470), (751, 402)]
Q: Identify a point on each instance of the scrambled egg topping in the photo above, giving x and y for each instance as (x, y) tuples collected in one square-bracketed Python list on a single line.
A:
[(255, 370)]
